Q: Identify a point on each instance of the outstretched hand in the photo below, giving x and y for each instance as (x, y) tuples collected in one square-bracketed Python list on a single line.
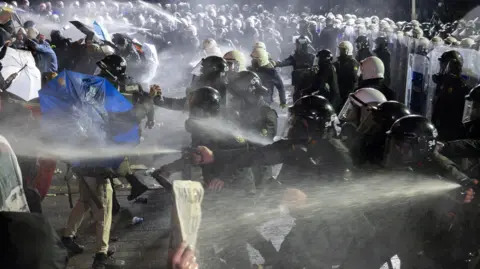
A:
[(184, 258), (202, 155)]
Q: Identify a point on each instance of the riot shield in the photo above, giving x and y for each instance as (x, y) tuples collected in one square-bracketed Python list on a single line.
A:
[(415, 94), (470, 71)]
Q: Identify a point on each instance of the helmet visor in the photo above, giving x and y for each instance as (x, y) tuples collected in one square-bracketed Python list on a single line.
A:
[(471, 111)]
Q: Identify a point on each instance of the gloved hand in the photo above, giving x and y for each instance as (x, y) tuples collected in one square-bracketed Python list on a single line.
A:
[(468, 193), (201, 155), (155, 90)]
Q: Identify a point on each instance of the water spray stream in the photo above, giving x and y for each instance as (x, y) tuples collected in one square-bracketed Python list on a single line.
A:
[(345, 201)]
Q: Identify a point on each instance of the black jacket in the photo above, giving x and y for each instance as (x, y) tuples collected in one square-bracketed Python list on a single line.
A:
[(377, 83), (347, 75), (271, 79), (384, 55)]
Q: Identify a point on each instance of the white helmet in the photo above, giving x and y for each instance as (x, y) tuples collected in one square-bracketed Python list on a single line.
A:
[(437, 41), (371, 68), (260, 45), (358, 103), (209, 43), (467, 43), (347, 46), (235, 60), (260, 56)]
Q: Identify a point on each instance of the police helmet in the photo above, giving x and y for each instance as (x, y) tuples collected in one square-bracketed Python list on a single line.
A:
[(113, 65), (204, 102), (362, 42), (382, 117), (214, 65), (312, 117), (471, 110), (411, 139)]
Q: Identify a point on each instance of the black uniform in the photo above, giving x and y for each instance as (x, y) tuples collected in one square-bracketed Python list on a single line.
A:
[(270, 80), (305, 162), (213, 75), (423, 221), (363, 48), (384, 54), (347, 69), (449, 97), (300, 61), (378, 84), (256, 119)]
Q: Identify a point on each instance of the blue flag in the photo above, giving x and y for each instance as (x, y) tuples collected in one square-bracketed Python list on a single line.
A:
[(87, 112)]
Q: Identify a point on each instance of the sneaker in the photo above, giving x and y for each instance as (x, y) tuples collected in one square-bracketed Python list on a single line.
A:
[(102, 261), (72, 246)]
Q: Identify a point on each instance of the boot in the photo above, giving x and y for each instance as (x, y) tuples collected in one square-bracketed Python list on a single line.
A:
[(102, 261), (137, 187), (72, 247)]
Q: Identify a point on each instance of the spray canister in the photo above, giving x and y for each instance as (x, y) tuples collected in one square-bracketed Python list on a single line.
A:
[(136, 220)]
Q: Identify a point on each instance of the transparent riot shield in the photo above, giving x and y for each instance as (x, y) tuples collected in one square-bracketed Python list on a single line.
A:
[(400, 68), (415, 94), (470, 72)]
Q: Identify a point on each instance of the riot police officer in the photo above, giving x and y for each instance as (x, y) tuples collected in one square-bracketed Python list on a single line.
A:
[(468, 148), (347, 70), (363, 48), (300, 60), (254, 116), (213, 70), (113, 68), (449, 97), (368, 145), (310, 152), (372, 75), (355, 109), (410, 148), (324, 79), (269, 76), (206, 126), (382, 52)]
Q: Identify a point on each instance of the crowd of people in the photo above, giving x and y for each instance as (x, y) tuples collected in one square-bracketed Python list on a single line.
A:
[(357, 111)]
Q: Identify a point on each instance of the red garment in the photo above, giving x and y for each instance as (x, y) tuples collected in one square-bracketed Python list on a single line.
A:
[(43, 179)]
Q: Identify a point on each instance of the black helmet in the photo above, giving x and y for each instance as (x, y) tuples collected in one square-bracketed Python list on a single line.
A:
[(451, 62), (55, 35), (247, 86), (28, 24), (362, 42), (312, 117), (113, 65), (471, 110), (323, 56), (214, 65), (204, 102), (382, 117), (410, 139), (381, 42)]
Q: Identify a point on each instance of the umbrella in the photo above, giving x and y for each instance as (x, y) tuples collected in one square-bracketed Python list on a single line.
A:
[(151, 65), (87, 112), (101, 32), (87, 30), (29, 80)]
